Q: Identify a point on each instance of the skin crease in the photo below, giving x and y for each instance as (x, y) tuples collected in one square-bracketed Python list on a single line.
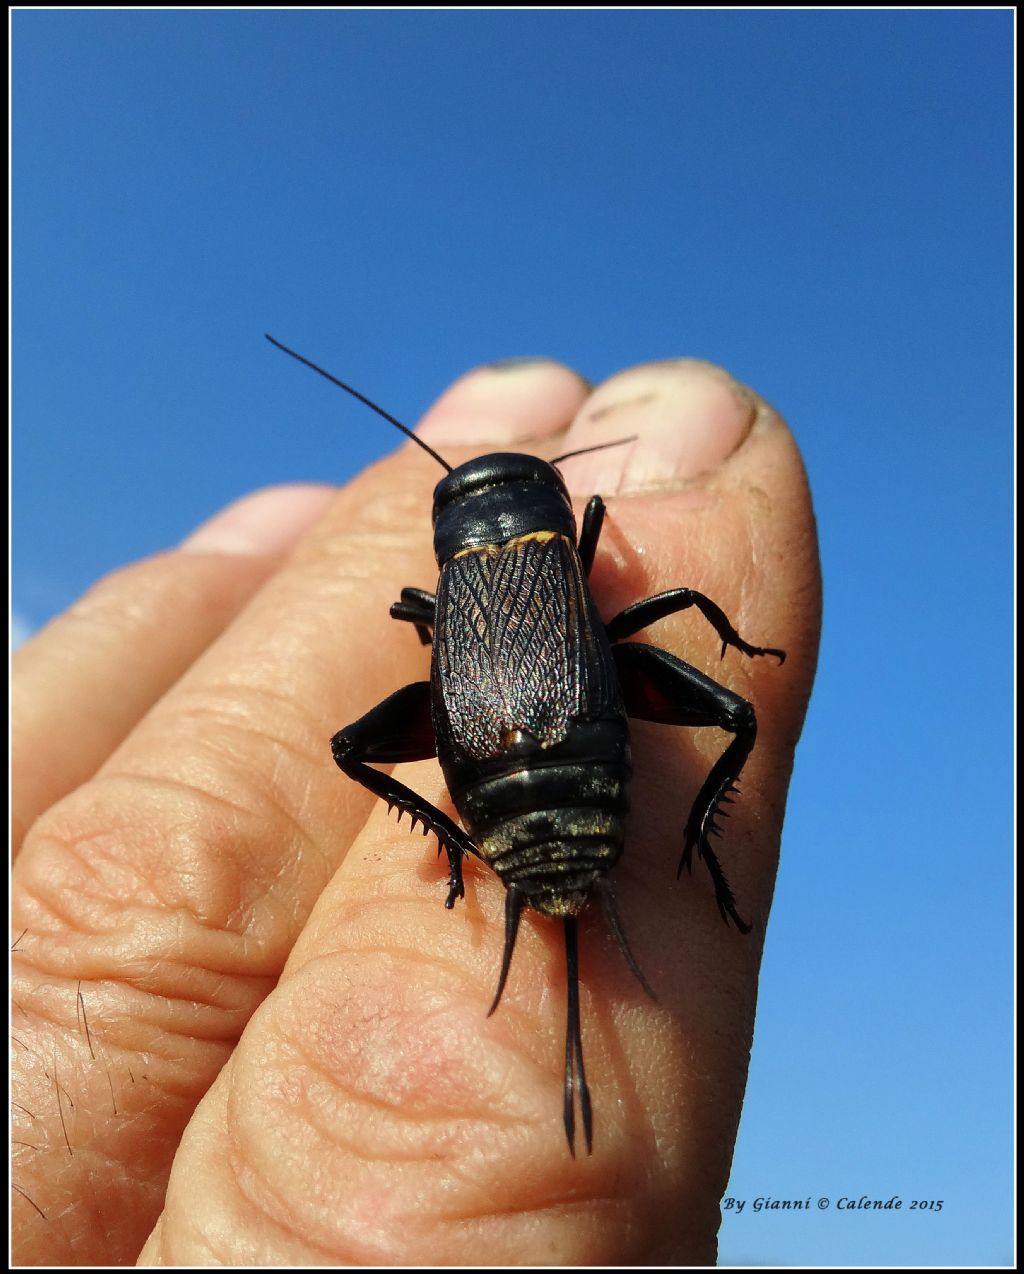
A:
[(372, 1113)]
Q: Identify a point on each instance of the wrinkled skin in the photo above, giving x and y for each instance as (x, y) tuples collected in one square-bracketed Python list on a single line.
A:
[(247, 1031)]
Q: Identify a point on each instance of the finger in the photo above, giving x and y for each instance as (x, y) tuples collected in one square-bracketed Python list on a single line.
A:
[(81, 684), (160, 899), (509, 403), (433, 1131)]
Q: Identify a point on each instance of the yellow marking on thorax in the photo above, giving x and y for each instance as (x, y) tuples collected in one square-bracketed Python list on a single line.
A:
[(538, 537)]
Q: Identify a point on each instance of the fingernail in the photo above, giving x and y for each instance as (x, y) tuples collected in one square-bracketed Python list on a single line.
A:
[(263, 523), (520, 362), (507, 403), (687, 418)]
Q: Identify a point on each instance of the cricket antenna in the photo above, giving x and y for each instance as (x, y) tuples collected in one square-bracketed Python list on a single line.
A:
[(363, 399), (584, 451)]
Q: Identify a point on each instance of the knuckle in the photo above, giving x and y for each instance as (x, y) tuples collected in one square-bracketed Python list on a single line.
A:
[(361, 1063), (158, 886)]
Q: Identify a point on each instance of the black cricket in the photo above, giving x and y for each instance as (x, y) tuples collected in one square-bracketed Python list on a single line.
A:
[(527, 704)]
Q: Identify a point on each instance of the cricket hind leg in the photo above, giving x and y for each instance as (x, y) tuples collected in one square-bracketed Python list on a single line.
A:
[(642, 614), (400, 729), (656, 686), (417, 607)]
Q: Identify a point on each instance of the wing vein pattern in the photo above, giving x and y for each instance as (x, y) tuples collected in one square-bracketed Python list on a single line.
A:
[(519, 646)]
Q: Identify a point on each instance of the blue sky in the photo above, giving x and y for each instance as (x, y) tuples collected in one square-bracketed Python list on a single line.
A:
[(820, 201)]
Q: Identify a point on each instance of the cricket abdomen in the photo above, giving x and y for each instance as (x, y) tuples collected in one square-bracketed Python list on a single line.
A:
[(550, 820)]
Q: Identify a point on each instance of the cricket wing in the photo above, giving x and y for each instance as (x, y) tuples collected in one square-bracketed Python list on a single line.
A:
[(518, 646)]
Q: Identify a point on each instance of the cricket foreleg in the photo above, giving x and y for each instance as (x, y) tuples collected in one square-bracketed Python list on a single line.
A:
[(656, 686), (417, 607), (590, 533), (642, 614), (400, 729)]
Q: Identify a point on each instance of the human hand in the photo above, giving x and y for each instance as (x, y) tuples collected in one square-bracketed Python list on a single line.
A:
[(191, 865)]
